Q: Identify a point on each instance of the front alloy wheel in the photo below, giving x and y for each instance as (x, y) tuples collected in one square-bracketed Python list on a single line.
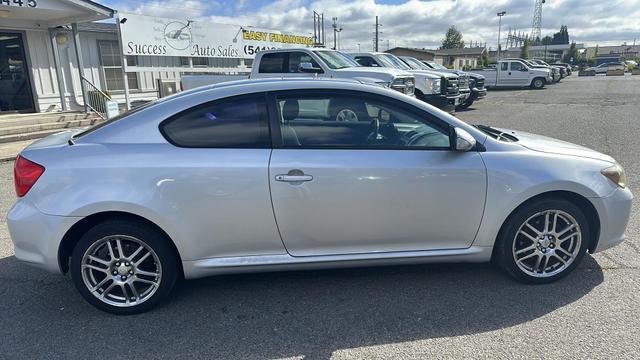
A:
[(124, 267), (543, 240), (547, 243)]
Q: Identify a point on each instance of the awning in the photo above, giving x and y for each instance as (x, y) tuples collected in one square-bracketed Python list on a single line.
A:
[(43, 14)]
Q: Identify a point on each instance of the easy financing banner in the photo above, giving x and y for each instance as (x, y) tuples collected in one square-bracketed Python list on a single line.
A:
[(157, 36)]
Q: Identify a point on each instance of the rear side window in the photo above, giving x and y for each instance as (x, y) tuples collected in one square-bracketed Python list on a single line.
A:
[(231, 123), (504, 66), (272, 63)]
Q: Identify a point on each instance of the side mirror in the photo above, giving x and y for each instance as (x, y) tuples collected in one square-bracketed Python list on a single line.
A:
[(524, 69), (307, 67), (463, 141)]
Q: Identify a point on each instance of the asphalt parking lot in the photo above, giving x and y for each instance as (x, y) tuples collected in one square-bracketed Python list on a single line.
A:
[(439, 311)]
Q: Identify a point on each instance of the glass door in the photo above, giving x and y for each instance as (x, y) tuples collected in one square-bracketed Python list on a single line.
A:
[(15, 87)]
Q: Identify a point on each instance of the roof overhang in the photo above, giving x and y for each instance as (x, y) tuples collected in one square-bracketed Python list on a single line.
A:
[(52, 13)]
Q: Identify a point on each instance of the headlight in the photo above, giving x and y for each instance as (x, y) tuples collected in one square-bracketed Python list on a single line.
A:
[(435, 85), (383, 83), (616, 174)]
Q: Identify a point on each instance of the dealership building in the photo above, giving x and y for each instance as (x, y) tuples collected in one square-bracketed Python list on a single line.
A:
[(64, 55)]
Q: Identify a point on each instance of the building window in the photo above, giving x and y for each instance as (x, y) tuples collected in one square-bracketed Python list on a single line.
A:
[(184, 61), (460, 63), (112, 66), (200, 62)]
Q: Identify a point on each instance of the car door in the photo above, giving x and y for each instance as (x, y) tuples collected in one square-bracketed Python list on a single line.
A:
[(292, 65), (519, 74), (504, 75), (215, 186), (358, 173)]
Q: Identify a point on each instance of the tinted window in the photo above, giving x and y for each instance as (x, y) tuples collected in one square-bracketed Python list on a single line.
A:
[(355, 122), (295, 58), (272, 63), (504, 66), (230, 123)]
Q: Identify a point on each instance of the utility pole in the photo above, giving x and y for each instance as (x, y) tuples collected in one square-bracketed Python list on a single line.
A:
[(336, 30), (500, 15), (377, 35)]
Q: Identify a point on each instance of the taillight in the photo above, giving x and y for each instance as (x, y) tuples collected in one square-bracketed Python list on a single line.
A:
[(25, 174)]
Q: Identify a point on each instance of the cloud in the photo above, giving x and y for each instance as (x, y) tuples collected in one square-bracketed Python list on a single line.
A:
[(416, 23)]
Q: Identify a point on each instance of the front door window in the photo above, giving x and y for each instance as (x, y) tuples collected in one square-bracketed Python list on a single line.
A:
[(15, 87)]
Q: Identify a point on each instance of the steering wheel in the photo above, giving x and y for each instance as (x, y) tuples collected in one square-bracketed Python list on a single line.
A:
[(424, 139)]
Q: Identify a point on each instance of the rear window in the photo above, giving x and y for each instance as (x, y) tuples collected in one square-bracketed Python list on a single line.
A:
[(272, 63), (230, 123)]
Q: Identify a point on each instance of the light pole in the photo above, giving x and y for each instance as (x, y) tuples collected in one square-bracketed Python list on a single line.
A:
[(500, 15), (336, 30), (358, 47)]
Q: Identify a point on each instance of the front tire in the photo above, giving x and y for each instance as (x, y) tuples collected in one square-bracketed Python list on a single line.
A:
[(464, 105), (543, 241), (537, 83), (124, 267)]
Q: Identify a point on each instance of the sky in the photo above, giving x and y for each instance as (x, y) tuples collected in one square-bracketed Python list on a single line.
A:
[(413, 23)]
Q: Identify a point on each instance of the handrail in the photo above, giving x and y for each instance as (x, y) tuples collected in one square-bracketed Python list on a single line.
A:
[(96, 98)]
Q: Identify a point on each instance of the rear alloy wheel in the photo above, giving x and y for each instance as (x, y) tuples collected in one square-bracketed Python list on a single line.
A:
[(123, 268), (544, 241)]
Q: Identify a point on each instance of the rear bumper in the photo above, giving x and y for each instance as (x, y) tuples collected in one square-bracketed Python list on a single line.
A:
[(614, 212), (36, 236)]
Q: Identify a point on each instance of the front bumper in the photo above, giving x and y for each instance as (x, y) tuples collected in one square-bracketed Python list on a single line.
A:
[(441, 102), (36, 236), (477, 94), (614, 211)]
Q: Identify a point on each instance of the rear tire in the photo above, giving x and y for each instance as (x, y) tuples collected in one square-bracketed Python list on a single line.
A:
[(535, 253), (124, 267)]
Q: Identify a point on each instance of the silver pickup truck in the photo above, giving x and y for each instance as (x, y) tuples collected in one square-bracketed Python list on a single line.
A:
[(515, 73)]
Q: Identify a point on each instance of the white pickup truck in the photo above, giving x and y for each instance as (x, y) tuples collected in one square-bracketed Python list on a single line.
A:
[(439, 89), (311, 62), (515, 73)]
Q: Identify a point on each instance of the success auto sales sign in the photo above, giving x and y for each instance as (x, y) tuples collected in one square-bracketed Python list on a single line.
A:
[(156, 36)]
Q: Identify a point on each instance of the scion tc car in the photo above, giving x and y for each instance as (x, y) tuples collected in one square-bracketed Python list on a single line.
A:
[(264, 175)]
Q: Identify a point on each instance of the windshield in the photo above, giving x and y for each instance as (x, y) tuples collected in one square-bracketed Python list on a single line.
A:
[(394, 62), (437, 66), (336, 59), (416, 64)]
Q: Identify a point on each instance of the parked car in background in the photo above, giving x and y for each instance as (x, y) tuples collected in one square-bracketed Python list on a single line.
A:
[(566, 66), (561, 69), (312, 62), (515, 73), (603, 68), (555, 72), (476, 81), (439, 89)]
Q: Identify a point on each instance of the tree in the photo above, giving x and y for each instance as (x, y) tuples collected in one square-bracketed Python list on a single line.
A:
[(453, 39), (561, 37), (524, 50), (547, 40), (572, 55)]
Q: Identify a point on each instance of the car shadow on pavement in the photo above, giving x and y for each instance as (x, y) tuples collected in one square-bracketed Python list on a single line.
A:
[(307, 314)]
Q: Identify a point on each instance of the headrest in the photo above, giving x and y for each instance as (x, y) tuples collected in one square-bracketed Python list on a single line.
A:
[(290, 110)]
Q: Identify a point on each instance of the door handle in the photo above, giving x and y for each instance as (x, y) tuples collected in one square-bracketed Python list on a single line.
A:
[(509, 72), (293, 178)]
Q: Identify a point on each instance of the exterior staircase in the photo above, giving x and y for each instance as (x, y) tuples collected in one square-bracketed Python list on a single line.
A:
[(21, 127)]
